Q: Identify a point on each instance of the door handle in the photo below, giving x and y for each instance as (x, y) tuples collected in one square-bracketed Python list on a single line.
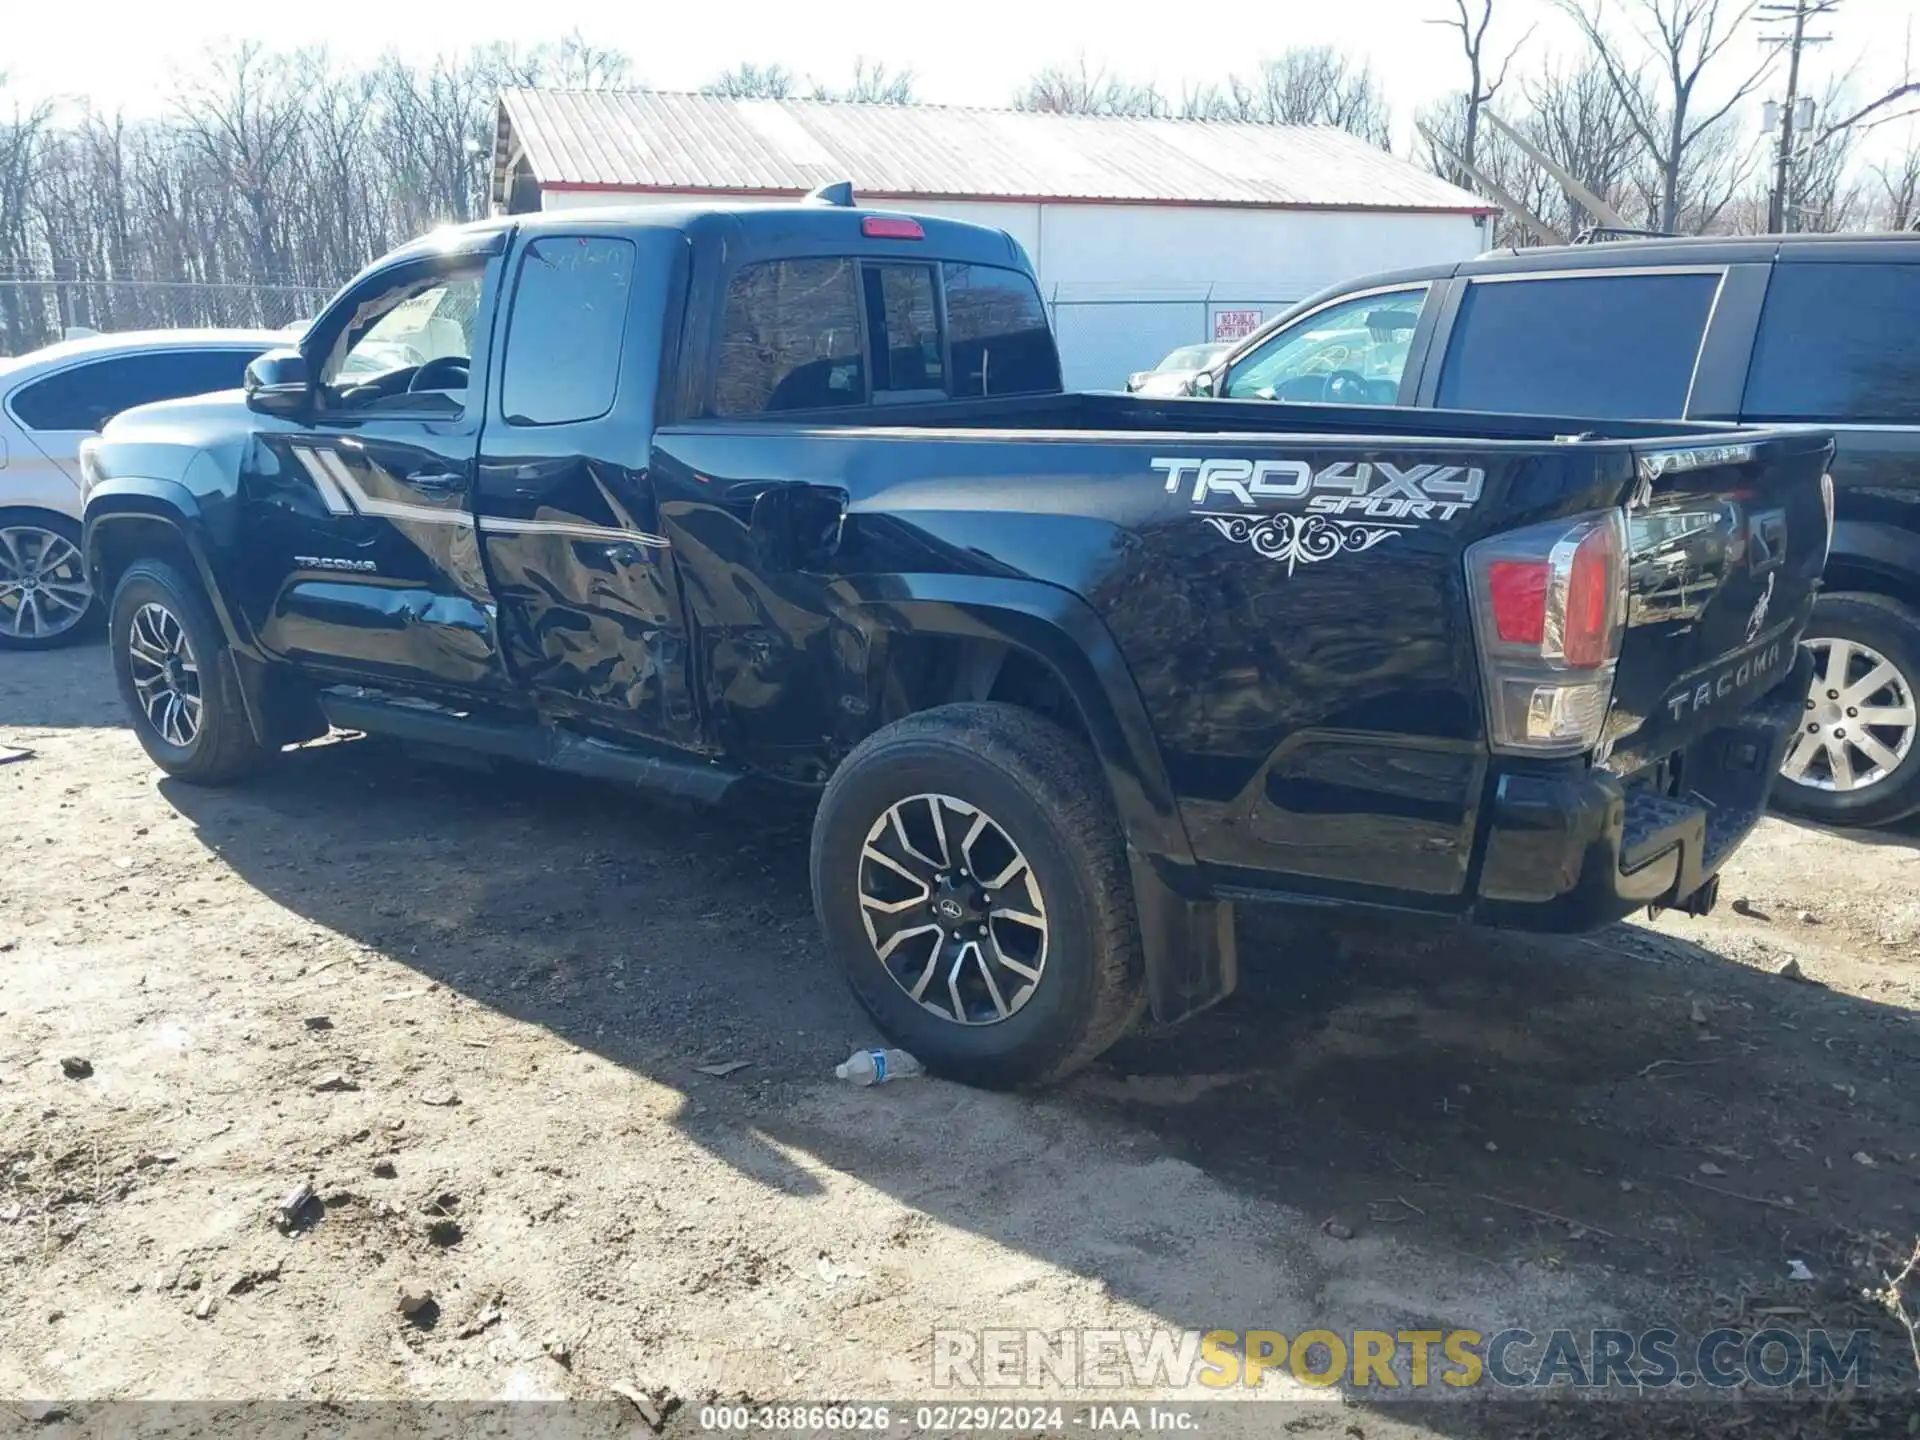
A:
[(437, 482), (623, 552)]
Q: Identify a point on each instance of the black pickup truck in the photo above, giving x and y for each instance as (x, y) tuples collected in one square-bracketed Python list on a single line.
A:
[(704, 499)]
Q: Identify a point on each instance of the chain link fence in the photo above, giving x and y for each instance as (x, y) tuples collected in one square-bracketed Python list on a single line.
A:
[(36, 311)]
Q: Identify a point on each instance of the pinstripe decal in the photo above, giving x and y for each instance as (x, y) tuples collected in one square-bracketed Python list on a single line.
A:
[(572, 530), (330, 495), (343, 494)]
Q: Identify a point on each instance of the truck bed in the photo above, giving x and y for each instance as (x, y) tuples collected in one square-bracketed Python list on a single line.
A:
[(1306, 652)]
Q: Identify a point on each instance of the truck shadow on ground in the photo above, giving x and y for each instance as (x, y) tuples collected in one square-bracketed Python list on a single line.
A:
[(1629, 1106)]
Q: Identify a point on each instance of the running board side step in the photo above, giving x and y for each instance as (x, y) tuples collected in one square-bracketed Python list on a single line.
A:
[(550, 749)]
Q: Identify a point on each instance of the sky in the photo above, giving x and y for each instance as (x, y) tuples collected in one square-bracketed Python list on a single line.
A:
[(964, 54)]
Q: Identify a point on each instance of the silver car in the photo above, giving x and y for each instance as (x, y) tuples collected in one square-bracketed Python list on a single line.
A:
[(1174, 375), (51, 400)]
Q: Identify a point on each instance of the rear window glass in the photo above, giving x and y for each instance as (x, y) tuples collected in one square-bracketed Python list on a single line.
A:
[(790, 339), (85, 397), (997, 330), (903, 329), (564, 339), (1838, 342), (1610, 347)]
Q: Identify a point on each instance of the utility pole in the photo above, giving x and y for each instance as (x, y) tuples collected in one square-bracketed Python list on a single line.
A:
[(1799, 11)]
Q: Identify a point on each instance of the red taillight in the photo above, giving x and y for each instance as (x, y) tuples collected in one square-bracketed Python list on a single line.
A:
[(1518, 589), (891, 227), (1592, 582), (1549, 606)]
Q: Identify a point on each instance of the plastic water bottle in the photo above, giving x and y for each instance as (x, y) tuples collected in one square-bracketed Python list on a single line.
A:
[(876, 1067)]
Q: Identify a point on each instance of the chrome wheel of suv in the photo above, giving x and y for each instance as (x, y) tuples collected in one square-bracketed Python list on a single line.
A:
[(952, 909), (166, 678), (43, 584), (1860, 719)]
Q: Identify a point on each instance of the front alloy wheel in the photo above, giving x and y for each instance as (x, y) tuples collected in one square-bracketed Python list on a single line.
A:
[(166, 677), (952, 909), (44, 594), (177, 677)]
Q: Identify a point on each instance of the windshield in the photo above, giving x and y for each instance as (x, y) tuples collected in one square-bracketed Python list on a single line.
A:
[(433, 323), (1353, 353)]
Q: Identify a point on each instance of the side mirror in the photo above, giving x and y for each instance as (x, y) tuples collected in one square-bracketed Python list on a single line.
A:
[(1203, 383), (277, 383)]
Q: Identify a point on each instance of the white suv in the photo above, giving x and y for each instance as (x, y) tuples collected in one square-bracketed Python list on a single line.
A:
[(51, 400)]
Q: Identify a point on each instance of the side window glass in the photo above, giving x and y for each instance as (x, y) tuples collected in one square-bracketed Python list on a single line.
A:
[(85, 397), (1351, 353), (790, 339), (997, 331), (201, 372), (1838, 342), (408, 346), (1609, 347), (903, 330), (564, 337)]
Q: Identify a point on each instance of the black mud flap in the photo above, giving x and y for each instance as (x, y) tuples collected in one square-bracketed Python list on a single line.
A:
[(1187, 946)]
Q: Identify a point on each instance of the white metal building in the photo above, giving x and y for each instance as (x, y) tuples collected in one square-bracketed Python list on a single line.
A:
[(1146, 234)]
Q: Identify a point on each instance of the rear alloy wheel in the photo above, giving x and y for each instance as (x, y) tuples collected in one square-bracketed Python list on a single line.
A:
[(1855, 760), (953, 910), (971, 876), (44, 595)]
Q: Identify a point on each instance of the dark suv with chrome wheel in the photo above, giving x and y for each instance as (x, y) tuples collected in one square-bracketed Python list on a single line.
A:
[(1823, 329)]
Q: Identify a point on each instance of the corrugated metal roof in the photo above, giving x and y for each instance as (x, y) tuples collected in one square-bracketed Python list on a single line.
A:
[(662, 140)]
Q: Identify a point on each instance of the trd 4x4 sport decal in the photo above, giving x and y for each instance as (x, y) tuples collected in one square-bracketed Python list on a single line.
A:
[(1350, 505)]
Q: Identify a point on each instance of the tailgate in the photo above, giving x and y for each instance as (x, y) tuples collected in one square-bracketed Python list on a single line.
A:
[(1726, 545)]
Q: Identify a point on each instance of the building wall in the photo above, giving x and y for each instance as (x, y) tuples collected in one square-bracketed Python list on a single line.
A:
[(1128, 283)]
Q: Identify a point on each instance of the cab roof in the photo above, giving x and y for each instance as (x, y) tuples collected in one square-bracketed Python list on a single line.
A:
[(748, 230)]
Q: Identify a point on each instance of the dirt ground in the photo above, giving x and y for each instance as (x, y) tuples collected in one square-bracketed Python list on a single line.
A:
[(472, 1009)]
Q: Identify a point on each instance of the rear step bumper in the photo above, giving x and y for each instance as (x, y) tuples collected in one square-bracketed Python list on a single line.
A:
[(1577, 851)]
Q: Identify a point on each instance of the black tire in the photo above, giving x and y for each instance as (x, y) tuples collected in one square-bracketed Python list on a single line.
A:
[(222, 747), (1893, 631), (80, 628), (1043, 789)]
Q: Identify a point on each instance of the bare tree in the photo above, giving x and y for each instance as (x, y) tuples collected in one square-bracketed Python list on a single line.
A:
[(1506, 174), (1579, 120), (872, 84), (1084, 90), (1482, 87), (244, 114), (1899, 185), (1318, 85), (747, 81), (1313, 85), (578, 64), (1680, 40), (436, 131)]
